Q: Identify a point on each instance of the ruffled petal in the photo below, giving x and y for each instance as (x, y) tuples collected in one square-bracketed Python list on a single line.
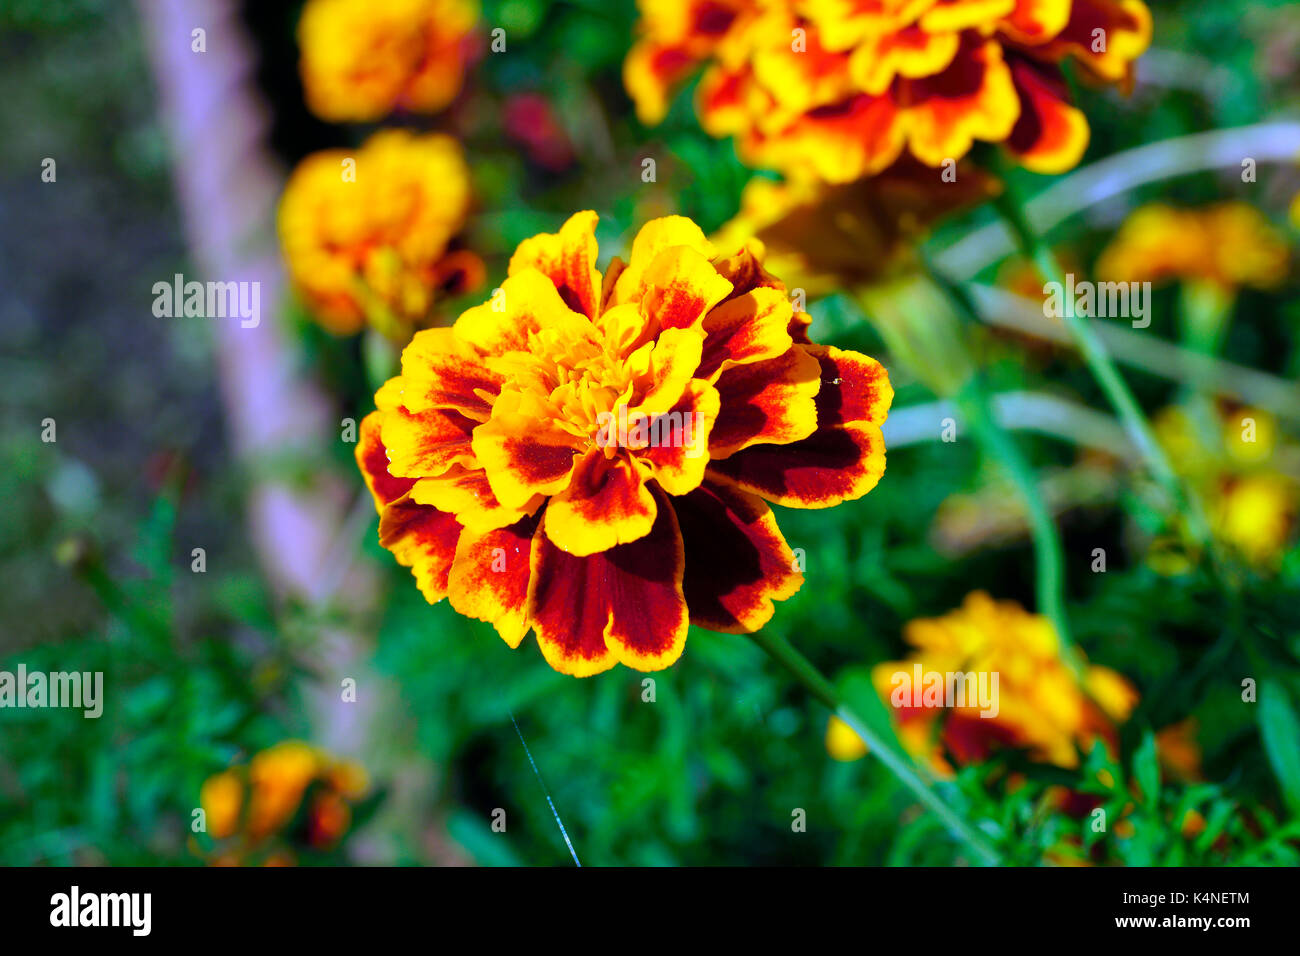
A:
[(678, 452), (650, 73), (422, 539), (854, 387), (746, 329), (679, 286), (653, 238), (840, 143), (737, 562), (624, 605), (1051, 135), (974, 98), (606, 504), (441, 370), (766, 402), (834, 464), (467, 493), (523, 456), (568, 259), (424, 444), (489, 578), (1105, 36), (372, 458), (526, 303)]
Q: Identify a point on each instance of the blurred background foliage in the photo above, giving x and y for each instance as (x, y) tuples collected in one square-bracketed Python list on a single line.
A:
[(202, 671)]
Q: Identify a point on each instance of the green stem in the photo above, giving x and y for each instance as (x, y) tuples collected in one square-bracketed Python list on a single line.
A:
[(1049, 555), (1105, 371), (803, 670)]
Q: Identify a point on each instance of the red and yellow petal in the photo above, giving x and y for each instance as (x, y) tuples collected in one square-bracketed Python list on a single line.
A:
[(911, 52), (834, 464), (974, 98), (839, 144), (489, 577), (1121, 28), (678, 459), (568, 259), (624, 605), (663, 370), (1034, 22), (372, 458), (745, 329), (964, 14), (653, 238), (678, 287), (441, 370), (1051, 135), (467, 493), (767, 402), (522, 456), (737, 562), (422, 444), (526, 303), (650, 73), (607, 503), (854, 387), (744, 270), (422, 539)]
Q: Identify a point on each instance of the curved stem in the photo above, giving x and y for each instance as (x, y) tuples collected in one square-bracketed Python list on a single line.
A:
[(1106, 373), (1049, 557), (780, 650)]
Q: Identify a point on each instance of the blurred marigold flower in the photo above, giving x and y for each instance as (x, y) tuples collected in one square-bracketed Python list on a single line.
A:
[(1178, 751), (362, 59), (372, 243), (1228, 244), (1040, 705), (250, 806), (1230, 460), (590, 456), (825, 238), (839, 89)]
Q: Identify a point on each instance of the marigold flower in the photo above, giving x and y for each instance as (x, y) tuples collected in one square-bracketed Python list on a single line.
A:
[(362, 59), (1040, 705), (825, 238), (1228, 244), (590, 456), (255, 803), (373, 243), (838, 89)]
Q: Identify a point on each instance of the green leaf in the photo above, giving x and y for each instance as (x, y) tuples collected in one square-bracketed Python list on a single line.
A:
[(1146, 770), (1281, 734)]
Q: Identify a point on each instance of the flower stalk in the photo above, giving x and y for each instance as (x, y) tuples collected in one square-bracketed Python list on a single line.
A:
[(784, 653), (1105, 371), (917, 318)]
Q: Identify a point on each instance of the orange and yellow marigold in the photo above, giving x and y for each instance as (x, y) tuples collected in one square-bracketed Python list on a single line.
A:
[(367, 234), (1040, 706), (590, 456), (838, 89), (247, 807), (362, 59), (1230, 245)]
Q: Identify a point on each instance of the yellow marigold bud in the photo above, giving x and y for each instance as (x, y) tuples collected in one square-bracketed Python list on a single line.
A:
[(842, 742)]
